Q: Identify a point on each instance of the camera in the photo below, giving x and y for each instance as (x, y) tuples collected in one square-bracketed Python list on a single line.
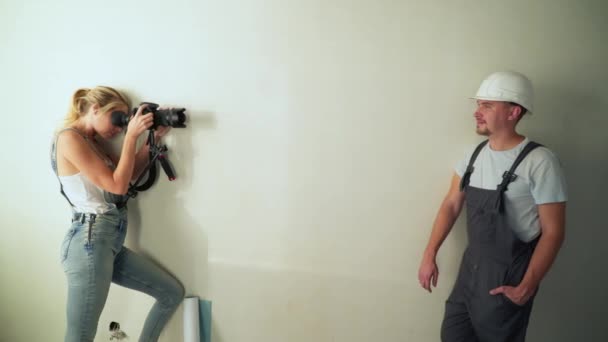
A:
[(174, 117)]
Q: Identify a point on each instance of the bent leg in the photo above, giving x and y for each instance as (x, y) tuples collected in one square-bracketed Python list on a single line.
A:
[(139, 273)]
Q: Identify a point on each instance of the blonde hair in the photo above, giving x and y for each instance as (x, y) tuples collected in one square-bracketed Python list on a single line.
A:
[(106, 98)]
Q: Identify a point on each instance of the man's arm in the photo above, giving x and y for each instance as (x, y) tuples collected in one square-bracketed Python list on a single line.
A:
[(448, 213), (552, 223)]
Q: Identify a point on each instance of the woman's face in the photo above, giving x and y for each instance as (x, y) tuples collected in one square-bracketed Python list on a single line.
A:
[(103, 123)]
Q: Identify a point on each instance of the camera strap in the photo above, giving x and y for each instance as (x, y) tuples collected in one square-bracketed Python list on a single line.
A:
[(152, 170), (157, 153)]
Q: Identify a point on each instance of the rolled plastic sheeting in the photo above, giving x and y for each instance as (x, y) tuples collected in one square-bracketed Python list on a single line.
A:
[(192, 330), (205, 321)]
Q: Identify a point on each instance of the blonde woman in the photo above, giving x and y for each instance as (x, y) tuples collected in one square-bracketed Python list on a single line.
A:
[(95, 185)]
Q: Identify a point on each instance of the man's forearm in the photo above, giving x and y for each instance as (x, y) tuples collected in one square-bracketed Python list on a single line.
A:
[(543, 257), (446, 216), (441, 228)]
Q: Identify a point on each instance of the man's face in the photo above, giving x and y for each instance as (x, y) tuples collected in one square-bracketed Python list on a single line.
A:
[(494, 116)]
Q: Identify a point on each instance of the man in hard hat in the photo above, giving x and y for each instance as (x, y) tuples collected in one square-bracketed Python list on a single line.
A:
[(515, 195)]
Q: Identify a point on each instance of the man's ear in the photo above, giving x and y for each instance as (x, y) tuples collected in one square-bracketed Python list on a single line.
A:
[(515, 113)]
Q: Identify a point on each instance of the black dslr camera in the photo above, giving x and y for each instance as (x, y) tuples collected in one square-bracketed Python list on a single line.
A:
[(174, 117)]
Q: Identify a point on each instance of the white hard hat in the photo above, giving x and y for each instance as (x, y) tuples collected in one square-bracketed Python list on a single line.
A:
[(508, 86)]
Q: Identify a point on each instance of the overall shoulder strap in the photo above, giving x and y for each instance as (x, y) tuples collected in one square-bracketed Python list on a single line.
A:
[(464, 182), (54, 158), (510, 175)]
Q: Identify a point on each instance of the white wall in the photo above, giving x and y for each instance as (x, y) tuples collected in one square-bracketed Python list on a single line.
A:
[(320, 141)]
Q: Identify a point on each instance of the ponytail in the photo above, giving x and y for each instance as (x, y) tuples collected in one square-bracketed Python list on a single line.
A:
[(77, 106), (105, 97)]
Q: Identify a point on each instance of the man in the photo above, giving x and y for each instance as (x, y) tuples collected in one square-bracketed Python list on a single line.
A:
[(515, 196)]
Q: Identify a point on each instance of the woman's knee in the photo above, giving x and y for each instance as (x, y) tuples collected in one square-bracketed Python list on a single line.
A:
[(176, 293), (181, 292)]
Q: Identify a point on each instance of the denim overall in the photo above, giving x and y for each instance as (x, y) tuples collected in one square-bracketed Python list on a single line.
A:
[(93, 257), (495, 256)]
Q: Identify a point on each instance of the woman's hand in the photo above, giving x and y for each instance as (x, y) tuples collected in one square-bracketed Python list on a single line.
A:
[(139, 123), (161, 131)]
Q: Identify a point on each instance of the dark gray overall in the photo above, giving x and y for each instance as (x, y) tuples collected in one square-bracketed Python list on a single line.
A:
[(495, 256)]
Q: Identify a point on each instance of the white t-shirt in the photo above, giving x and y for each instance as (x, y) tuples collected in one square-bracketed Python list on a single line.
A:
[(540, 179)]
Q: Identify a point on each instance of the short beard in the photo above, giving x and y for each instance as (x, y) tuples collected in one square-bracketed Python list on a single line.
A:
[(484, 132)]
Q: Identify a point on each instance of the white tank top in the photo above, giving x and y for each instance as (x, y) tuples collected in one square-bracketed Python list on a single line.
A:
[(85, 196)]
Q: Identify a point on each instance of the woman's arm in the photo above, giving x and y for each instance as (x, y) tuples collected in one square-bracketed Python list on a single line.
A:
[(73, 148), (142, 158)]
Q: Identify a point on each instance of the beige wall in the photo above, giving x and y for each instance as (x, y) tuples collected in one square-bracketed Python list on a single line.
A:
[(320, 141)]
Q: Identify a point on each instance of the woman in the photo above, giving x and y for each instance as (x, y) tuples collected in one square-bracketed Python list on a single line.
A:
[(92, 253)]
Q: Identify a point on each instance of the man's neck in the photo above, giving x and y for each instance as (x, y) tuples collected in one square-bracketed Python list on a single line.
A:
[(503, 142)]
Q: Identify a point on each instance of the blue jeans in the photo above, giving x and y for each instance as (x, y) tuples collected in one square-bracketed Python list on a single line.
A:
[(93, 256)]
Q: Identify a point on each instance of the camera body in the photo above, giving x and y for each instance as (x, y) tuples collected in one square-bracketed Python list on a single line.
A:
[(174, 117)]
